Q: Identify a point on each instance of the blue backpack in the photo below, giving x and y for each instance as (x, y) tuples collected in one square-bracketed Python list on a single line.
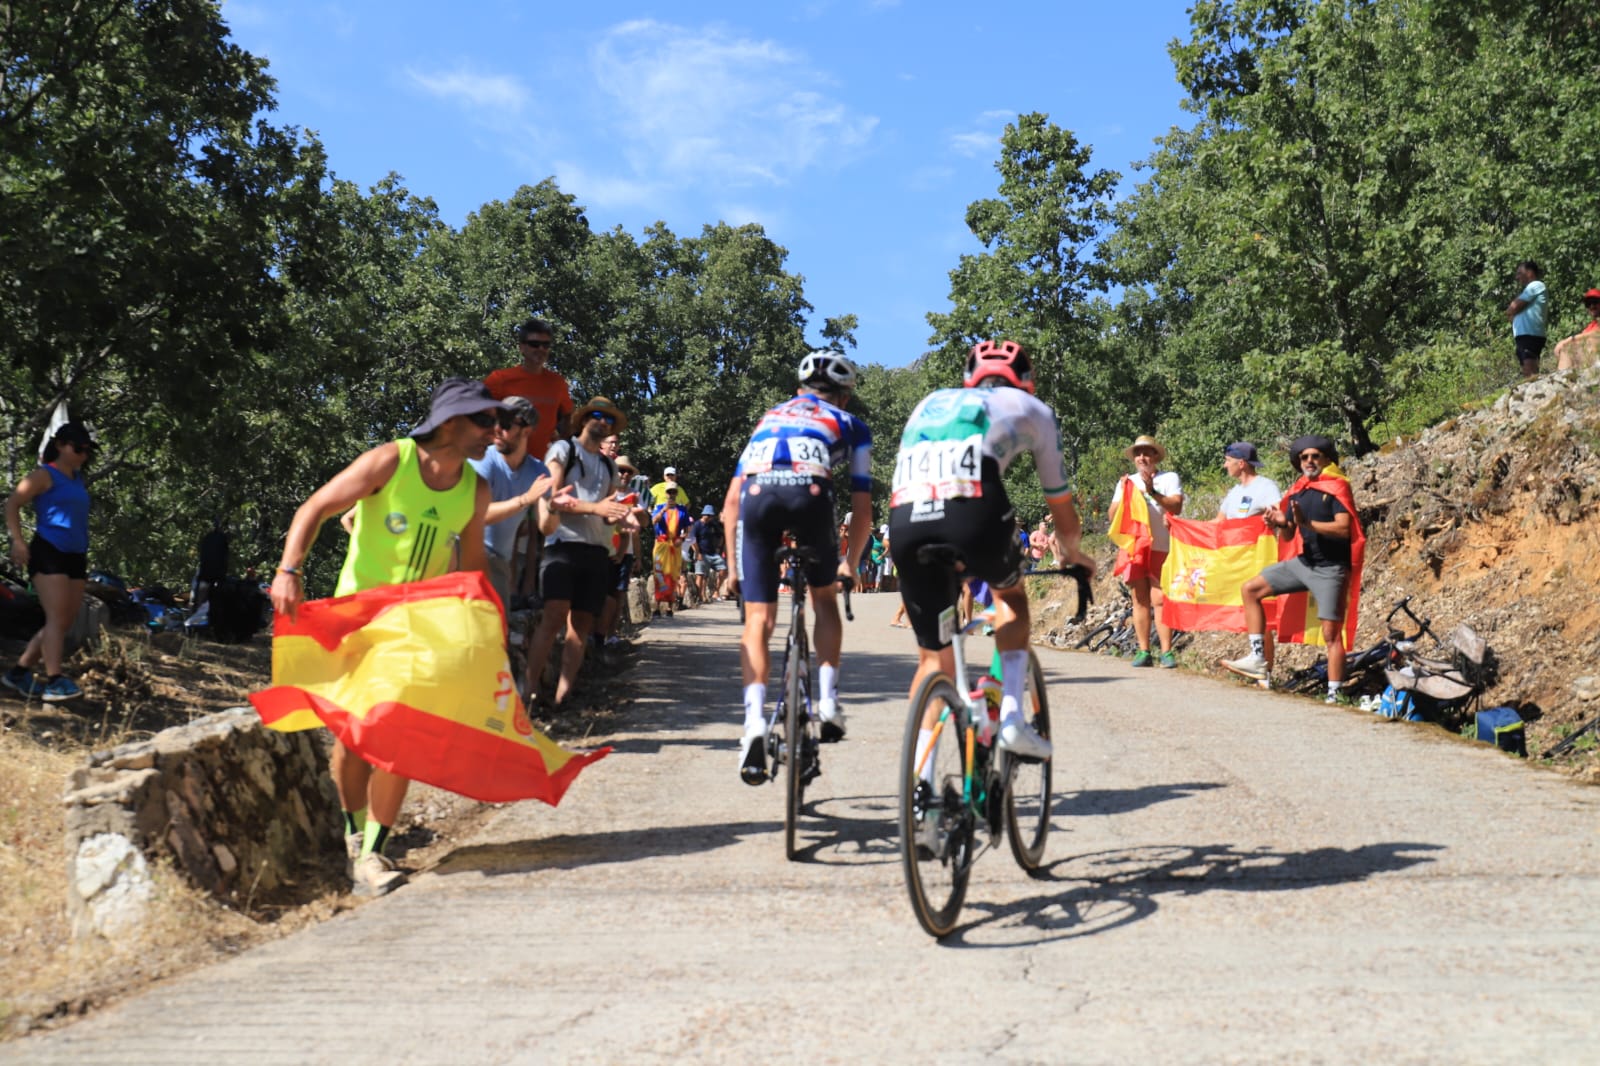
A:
[(1399, 703)]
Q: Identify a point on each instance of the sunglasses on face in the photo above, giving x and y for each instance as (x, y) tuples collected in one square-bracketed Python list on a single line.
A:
[(609, 420), (482, 419), (1318, 456), (534, 344), (507, 420)]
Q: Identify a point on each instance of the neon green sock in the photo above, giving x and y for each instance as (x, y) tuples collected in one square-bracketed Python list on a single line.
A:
[(376, 837), (355, 821)]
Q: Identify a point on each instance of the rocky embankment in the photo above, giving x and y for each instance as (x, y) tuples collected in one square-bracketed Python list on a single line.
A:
[(1492, 519)]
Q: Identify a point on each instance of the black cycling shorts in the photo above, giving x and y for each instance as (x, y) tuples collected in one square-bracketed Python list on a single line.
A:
[(579, 574), (769, 505), (46, 558), (983, 529)]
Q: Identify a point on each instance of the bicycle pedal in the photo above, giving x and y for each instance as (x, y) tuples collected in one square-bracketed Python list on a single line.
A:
[(831, 733)]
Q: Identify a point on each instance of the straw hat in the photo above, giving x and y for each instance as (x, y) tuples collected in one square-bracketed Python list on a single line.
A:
[(1145, 442), (604, 406), (626, 465)]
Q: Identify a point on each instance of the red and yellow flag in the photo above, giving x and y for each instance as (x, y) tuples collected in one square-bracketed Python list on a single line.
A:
[(1206, 568), (414, 678), (1130, 529), (1297, 615)]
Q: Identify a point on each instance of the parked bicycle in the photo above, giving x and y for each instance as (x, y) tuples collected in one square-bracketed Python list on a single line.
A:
[(1364, 669), (1116, 635), (957, 779), (794, 738)]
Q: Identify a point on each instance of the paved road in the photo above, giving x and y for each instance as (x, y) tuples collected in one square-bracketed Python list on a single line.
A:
[(1232, 876)]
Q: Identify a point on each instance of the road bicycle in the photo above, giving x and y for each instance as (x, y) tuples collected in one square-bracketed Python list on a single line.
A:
[(957, 779), (794, 735), (1364, 669)]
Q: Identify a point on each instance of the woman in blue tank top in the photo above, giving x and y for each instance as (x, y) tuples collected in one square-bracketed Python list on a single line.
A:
[(57, 559)]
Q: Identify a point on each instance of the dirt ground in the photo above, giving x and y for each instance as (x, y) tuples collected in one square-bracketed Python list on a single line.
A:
[(136, 684)]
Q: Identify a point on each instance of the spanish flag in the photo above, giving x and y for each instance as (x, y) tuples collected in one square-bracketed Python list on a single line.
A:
[(414, 679), (1130, 528), (1297, 615), (1206, 569)]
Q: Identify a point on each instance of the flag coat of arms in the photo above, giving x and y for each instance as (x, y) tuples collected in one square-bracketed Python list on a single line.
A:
[(1206, 568), (414, 679)]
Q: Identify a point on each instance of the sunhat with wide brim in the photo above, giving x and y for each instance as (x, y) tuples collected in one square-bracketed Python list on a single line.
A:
[(604, 406), (1145, 442), (625, 464)]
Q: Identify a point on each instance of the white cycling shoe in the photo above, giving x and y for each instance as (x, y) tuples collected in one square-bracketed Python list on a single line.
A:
[(1019, 738), (753, 756)]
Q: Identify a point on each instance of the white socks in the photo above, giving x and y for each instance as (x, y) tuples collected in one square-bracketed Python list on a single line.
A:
[(1013, 675), (827, 682), (755, 695)]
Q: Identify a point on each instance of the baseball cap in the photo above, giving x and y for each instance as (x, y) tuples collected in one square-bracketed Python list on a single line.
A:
[(1592, 294), (1242, 449), (670, 471)]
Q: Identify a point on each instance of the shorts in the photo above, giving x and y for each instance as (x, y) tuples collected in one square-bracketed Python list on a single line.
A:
[(1529, 348), (766, 509), (983, 529), (1130, 571), (46, 558), (624, 574), (578, 574), (1326, 583)]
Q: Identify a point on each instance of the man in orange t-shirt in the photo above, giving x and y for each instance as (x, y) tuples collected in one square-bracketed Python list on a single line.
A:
[(544, 388)]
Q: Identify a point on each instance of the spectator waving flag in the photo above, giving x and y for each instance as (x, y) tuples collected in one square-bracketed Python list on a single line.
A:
[(414, 679), (1297, 616), (1130, 528), (1207, 567)]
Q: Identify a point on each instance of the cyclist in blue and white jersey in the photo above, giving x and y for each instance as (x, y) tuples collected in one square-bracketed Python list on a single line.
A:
[(947, 489), (784, 481)]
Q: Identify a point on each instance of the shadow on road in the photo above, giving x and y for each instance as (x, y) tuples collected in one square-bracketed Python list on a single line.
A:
[(570, 851), (1116, 888), (849, 831), (1122, 800)]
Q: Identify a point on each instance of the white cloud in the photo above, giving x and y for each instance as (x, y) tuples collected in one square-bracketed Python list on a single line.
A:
[(499, 95), (709, 106), (984, 140), (598, 190)]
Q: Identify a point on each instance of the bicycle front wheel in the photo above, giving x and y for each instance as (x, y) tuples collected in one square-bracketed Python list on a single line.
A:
[(797, 717), (1028, 793), (936, 825)]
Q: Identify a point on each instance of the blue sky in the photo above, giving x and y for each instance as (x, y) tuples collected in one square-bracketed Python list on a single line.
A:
[(855, 131)]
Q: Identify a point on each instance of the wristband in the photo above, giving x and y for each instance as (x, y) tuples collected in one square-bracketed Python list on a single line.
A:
[(292, 571)]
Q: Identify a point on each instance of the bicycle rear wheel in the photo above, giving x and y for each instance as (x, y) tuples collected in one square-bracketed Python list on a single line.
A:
[(797, 717), (936, 826), (1028, 792)]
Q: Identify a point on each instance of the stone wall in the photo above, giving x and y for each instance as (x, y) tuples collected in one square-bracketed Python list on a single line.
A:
[(238, 810)]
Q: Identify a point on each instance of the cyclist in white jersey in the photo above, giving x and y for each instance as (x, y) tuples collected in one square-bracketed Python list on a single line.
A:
[(948, 489), (784, 482)]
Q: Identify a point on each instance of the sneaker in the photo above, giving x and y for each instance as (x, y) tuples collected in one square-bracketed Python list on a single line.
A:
[(22, 681), (753, 756), (352, 852), (1018, 738), (1169, 661), (60, 689), (1144, 658), (1252, 666), (375, 875), (832, 716)]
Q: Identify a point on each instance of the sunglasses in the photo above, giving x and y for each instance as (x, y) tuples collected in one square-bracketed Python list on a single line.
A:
[(534, 344), (609, 420), (1318, 456), (482, 419), (507, 420)]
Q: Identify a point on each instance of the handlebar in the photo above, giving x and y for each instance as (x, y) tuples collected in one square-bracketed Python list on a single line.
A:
[(1081, 576), (1423, 624)]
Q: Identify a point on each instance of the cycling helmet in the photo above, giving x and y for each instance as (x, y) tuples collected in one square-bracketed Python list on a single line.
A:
[(828, 368), (1006, 360)]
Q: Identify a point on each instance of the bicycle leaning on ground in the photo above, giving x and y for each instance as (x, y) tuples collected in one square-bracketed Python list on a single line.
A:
[(960, 780), (1116, 635), (1364, 669), (793, 737)]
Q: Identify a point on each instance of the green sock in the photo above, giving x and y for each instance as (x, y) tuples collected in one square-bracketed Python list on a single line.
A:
[(355, 821), (376, 837)]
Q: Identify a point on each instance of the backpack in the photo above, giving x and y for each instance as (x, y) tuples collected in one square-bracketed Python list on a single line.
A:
[(573, 457)]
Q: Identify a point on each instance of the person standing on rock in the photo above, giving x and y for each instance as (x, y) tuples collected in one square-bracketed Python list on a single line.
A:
[(416, 503), (1580, 349), (1527, 315), (1321, 511)]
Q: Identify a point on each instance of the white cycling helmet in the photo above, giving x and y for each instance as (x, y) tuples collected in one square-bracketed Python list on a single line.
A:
[(829, 369)]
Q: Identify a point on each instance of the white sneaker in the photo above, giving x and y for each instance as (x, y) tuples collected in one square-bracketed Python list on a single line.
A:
[(1018, 738), (832, 716), (352, 852), (375, 875), (753, 755), (1252, 666)]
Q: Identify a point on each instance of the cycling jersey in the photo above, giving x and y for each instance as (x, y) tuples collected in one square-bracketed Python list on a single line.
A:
[(805, 438), (952, 431)]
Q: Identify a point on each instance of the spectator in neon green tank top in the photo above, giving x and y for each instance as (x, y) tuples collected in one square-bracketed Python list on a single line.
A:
[(428, 469)]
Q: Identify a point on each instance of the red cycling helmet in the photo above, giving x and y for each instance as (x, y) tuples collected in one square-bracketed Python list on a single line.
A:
[(1006, 360)]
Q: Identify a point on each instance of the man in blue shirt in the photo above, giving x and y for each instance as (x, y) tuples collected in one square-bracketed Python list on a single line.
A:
[(1526, 313), (516, 480)]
